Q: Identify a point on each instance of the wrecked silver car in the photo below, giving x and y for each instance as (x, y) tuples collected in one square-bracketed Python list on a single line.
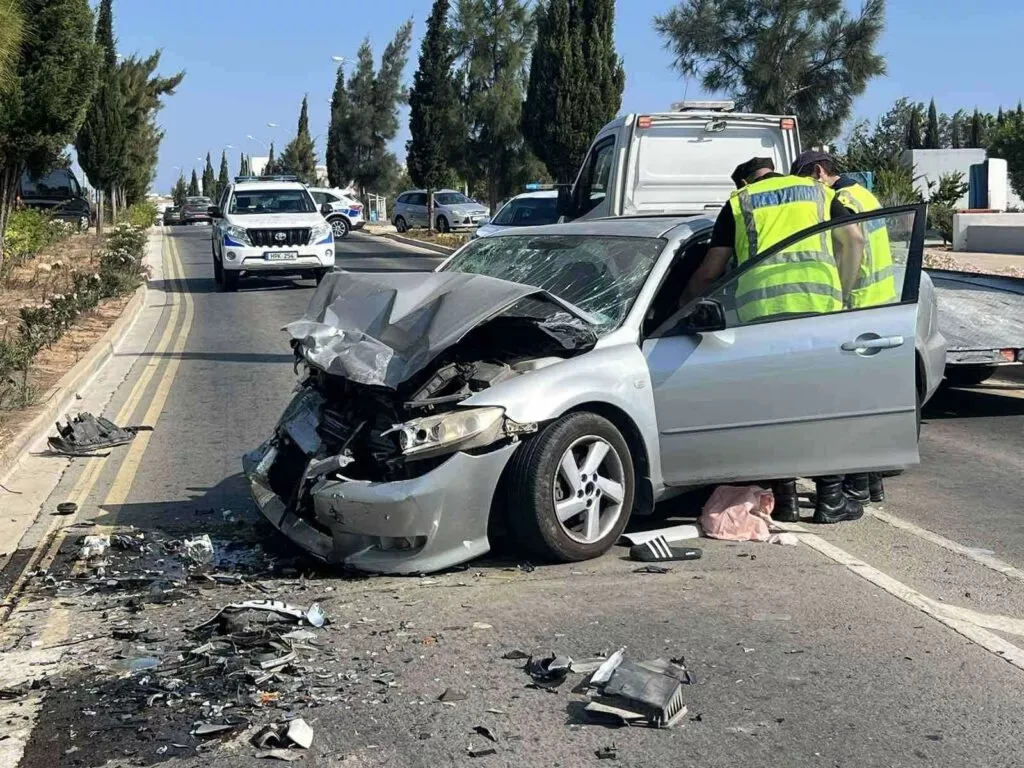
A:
[(545, 383)]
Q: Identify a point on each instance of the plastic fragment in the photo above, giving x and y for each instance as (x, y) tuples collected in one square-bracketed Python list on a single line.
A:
[(451, 694), (300, 733), (199, 550), (607, 753), (484, 731)]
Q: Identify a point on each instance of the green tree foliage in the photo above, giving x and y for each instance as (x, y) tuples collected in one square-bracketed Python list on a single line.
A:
[(241, 165), (977, 135), (271, 166), (299, 157), (576, 82), (102, 140), (1000, 117), (956, 130), (193, 185), (914, 140), (180, 191), (365, 118), (805, 57), (495, 38), (1007, 142), (434, 107), (209, 179), (931, 132), (45, 103), (224, 177), (12, 33)]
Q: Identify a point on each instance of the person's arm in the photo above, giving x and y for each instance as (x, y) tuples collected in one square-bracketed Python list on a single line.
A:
[(712, 268), (848, 242)]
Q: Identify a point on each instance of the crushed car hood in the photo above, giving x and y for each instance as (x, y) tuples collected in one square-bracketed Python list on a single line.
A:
[(383, 328)]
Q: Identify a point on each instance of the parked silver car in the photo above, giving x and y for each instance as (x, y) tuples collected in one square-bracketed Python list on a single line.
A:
[(452, 211), (545, 381)]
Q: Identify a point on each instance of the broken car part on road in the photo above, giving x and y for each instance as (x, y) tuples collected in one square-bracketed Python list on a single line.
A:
[(85, 434)]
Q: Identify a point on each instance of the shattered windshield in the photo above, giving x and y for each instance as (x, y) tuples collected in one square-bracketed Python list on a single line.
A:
[(600, 275)]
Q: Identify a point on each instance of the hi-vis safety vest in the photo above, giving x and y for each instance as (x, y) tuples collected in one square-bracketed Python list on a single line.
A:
[(876, 284), (802, 278)]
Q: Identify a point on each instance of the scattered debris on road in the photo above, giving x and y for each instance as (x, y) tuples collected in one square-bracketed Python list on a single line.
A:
[(610, 752), (86, 434)]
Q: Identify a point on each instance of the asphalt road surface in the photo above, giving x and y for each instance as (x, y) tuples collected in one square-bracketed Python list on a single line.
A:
[(888, 642)]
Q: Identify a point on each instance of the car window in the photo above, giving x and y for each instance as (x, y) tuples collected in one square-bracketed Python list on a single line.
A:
[(847, 266), (451, 198), (56, 184), (402, 199), (594, 181), (418, 199), (601, 275), (257, 201), (319, 197)]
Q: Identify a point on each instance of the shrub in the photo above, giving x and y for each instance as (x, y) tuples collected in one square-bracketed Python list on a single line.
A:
[(941, 219), (142, 214)]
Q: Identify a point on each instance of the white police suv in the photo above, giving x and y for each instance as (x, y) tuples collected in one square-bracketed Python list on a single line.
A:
[(269, 224)]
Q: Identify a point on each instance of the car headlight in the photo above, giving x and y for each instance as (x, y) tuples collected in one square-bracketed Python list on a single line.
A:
[(239, 235), (319, 232), (461, 429)]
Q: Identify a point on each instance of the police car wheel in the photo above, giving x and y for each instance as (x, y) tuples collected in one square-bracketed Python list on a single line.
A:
[(218, 271), (339, 227)]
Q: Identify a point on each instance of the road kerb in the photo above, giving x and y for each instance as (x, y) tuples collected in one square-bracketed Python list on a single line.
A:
[(441, 250)]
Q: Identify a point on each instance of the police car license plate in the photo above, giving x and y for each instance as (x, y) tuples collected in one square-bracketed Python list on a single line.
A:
[(280, 255)]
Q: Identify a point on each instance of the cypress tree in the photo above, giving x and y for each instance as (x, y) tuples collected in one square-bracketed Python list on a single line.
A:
[(1020, 108), (271, 166), (193, 185), (1000, 117), (336, 136), (180, 191), (209, 179), (241, 164), (299, 157), (224, 178), (976, 130), (434, 106), (576, 82), (914, 129), (955, 130), (931, 133)]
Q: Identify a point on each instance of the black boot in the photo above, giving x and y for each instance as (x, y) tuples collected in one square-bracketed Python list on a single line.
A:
[(787, 503), (831, 505), (855, 487), (876, 488)]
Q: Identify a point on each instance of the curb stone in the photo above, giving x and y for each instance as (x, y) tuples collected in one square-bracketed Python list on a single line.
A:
[(439, 249), (62, 394)]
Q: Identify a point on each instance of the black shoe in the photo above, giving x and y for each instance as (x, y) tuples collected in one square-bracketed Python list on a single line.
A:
[(787, 503), (832, 505), (876, 488), (855, 488)]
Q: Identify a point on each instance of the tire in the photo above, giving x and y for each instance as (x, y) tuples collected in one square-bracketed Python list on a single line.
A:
[(340, 227), (218, 271), (320, 274), (968, 375), (229, 283), (537, 478), (443, 226), (400, 224)]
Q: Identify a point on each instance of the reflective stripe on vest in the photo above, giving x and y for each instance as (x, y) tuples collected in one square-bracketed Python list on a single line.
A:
[(800, 279), (876, 283)]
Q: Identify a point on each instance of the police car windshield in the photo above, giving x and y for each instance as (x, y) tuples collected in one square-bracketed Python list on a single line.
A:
[(256, 201)]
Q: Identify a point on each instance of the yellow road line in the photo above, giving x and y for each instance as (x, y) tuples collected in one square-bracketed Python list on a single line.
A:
[(122, 484)]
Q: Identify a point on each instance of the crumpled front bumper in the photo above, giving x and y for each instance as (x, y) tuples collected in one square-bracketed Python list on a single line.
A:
[(421, 525)]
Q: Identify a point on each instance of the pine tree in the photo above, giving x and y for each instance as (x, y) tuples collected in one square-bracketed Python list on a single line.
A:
[(434, 106), (977, 131), (193, 185), (299, 157), (802, 57), (12, 35), (224, 178), (931, 132), (180, 191), (576, 82), (209, 179), (955, 132)]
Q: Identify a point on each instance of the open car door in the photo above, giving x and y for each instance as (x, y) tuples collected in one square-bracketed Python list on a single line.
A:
[(795, 395)]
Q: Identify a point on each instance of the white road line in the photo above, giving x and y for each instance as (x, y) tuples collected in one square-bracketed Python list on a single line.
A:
[(982, 558), (959, 620)]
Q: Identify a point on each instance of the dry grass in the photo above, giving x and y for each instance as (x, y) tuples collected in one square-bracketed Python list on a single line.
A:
[(448, 240)]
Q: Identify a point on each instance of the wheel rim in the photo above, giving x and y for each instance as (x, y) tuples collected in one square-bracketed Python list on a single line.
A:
[(400, 224), (589, 489), (339, 227)]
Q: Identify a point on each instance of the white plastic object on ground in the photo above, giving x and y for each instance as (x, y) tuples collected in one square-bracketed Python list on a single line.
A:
[(199, 550)]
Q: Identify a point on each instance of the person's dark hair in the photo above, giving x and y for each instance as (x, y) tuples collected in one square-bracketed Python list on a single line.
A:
[(829, 166), (745, 170)]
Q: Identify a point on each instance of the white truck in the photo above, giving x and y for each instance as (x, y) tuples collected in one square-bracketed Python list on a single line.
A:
[(680, 163)]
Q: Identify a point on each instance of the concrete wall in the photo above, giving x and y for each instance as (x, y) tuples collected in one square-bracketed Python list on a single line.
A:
[(930, 164), (989, 232)]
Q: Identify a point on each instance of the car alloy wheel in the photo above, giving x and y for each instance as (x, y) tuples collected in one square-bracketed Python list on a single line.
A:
[(400, 224), (588, 489), (442, 225), (339, 227)]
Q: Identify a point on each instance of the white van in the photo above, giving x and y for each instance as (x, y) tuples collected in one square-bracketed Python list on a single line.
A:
[(675, 162)]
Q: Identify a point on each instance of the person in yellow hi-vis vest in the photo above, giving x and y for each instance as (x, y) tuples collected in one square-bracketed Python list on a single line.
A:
[(876, 282), (812, 276)]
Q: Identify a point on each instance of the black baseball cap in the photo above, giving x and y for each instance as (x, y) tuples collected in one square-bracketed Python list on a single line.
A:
[(808, 158), (745, 170)]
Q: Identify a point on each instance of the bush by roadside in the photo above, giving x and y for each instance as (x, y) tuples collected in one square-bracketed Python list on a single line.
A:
[(30, 231), (45, 315), (142, 214)]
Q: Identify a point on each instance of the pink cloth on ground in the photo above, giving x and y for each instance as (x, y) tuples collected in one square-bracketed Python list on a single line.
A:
[(738, 513)]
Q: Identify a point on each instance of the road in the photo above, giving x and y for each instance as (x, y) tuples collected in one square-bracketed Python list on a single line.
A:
[(892, 641)]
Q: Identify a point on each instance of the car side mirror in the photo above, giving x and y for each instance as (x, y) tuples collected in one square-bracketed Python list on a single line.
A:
[(326, 209), (484, 221), (214, 211), (707, 315), (564, 206)]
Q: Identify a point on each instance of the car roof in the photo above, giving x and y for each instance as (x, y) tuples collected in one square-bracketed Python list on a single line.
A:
[(436, 191), (538, 193), (256, 185), (663, 226)]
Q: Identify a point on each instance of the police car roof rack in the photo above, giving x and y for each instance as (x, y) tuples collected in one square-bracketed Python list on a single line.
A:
[(276, 177)]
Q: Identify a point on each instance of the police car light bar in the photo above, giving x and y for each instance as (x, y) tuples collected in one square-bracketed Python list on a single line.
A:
[(279, 177), (536, 186)]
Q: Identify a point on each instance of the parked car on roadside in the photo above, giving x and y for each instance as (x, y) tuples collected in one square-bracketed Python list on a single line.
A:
[(545, 382), (196, 210), (59, 194), (452, 211), (529, 209), (269, 225), (346, 213)]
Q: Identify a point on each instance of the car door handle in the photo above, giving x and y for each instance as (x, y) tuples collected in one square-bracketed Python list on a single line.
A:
[(874, 344)]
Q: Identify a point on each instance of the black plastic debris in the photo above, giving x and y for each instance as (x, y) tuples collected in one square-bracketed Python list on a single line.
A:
[(515, 655), (652, 569), (67, 508), (484, 731), (607, 753), (451, 695), (550, 669), (650, 691), (85, 434), (481, 751)]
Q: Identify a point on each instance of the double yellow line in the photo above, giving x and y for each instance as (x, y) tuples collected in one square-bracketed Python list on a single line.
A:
[(172, 339)]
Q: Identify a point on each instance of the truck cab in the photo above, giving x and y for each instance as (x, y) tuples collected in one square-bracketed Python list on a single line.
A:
[(675, 162)]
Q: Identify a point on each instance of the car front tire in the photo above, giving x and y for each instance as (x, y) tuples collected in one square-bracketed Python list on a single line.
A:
[(320, 274), (443, 226), (571, 489), (229, 280)]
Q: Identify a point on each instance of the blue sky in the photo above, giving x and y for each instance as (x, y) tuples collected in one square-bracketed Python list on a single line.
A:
[(249, 62)]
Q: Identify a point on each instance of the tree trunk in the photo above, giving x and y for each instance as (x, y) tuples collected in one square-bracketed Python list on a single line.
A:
[(99, 213), (113, 206), (9, 175), (430, 211)]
